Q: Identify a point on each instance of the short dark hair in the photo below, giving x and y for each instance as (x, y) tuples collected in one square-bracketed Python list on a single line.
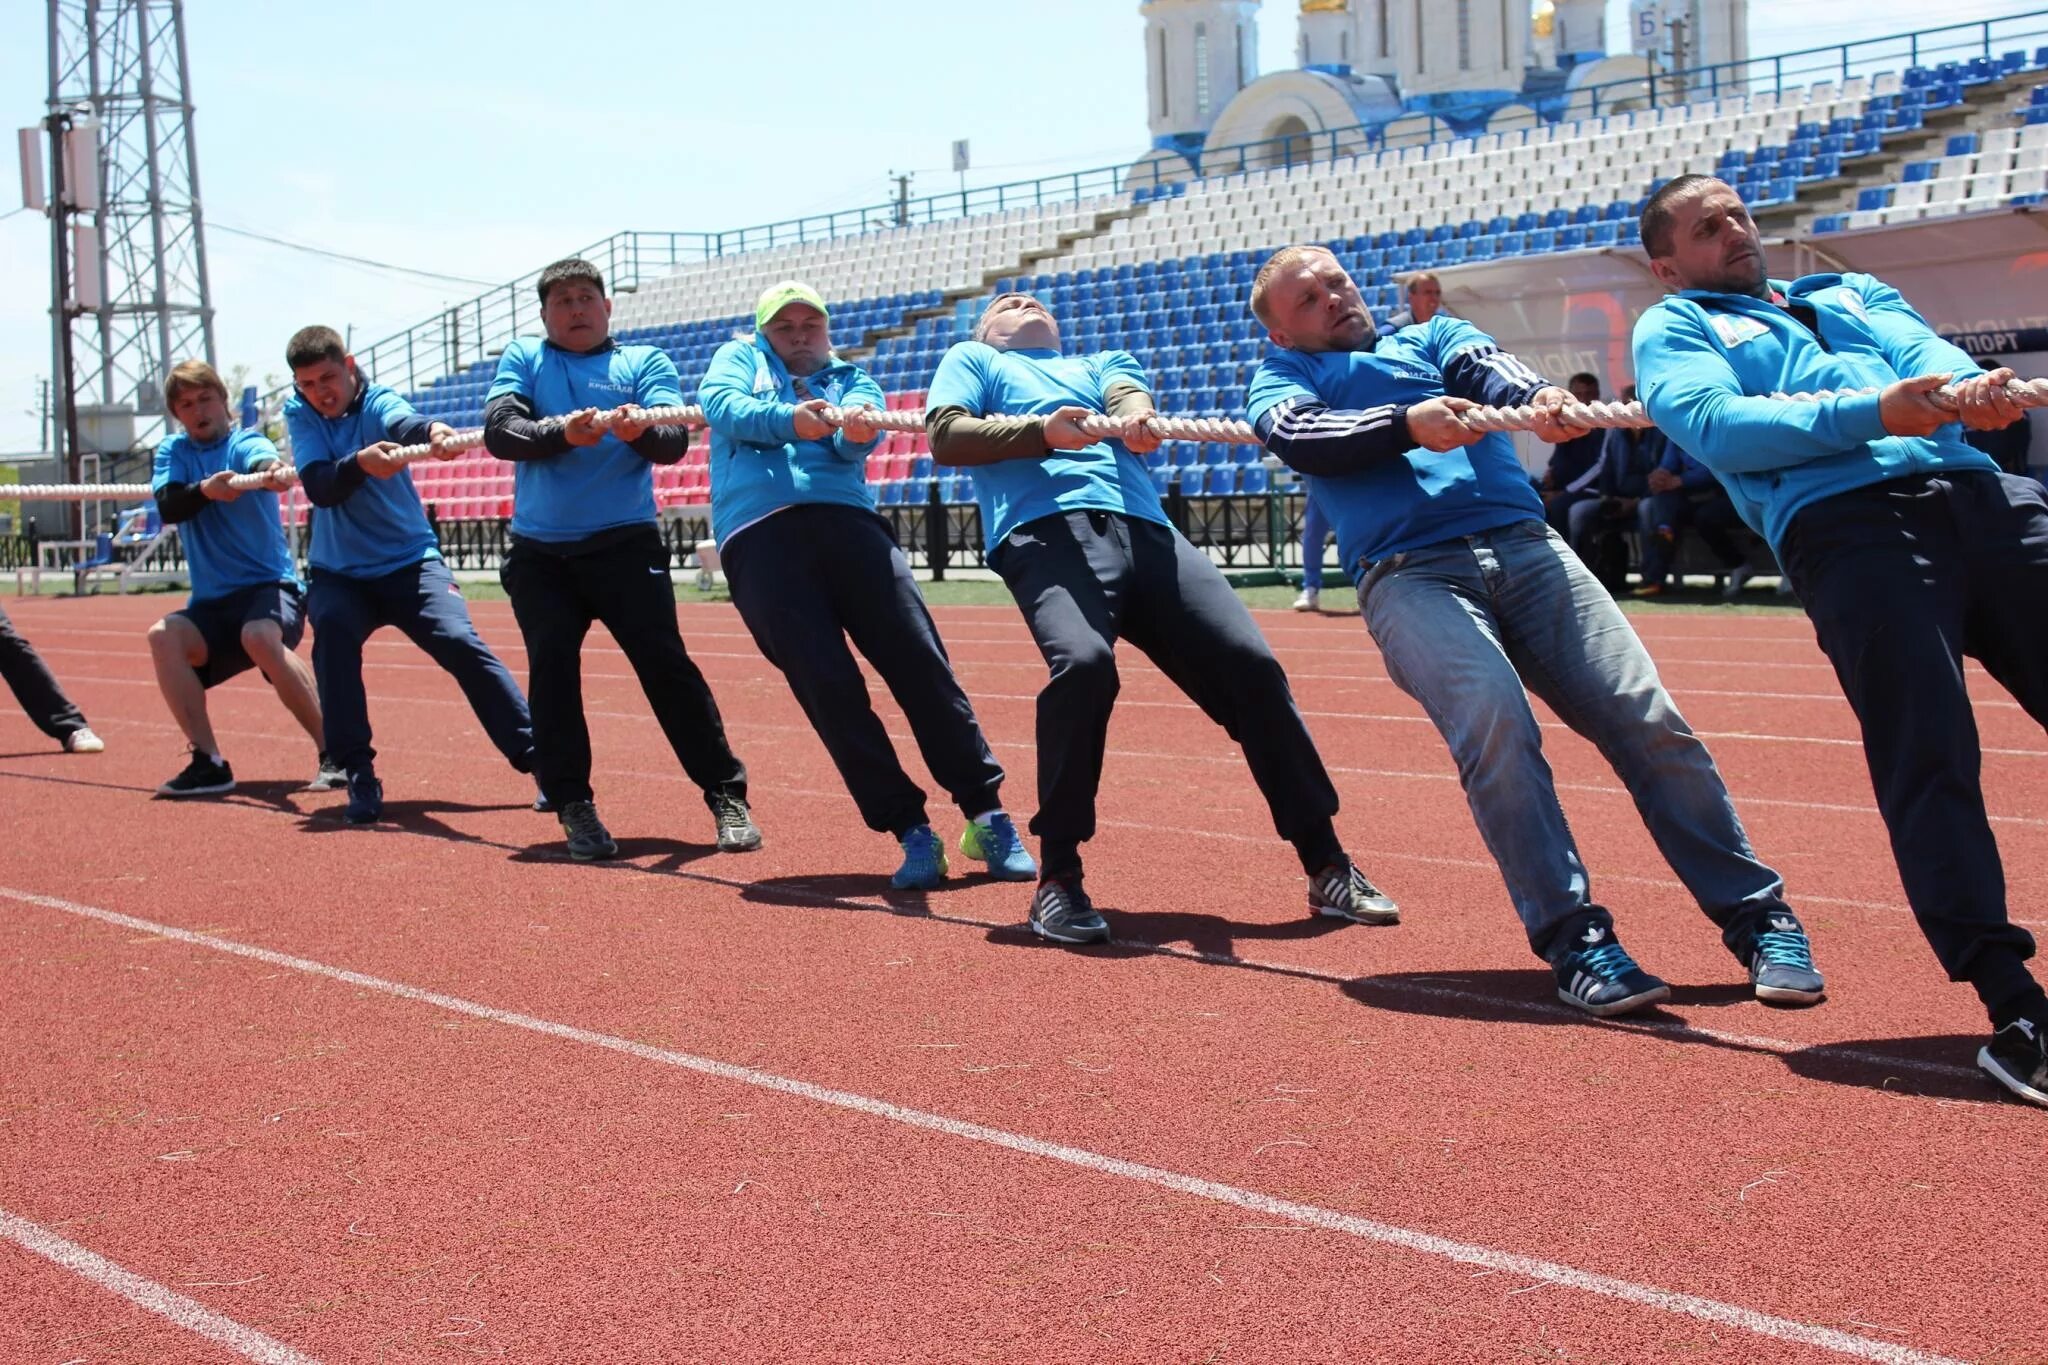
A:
[(1656, 225), (311, 345), (1586, 375), (568, 271)]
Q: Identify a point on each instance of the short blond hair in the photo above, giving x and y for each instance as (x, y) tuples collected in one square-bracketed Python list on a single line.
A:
[(1281, 261), (193, 374), (1422, 277)]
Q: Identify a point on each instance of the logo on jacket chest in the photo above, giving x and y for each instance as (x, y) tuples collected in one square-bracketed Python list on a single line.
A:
[(1733, 330)]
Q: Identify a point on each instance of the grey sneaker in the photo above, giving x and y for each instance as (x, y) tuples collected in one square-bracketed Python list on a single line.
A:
[(589, 840), (1780, 960), (737, 832), (332, 777), (1341, 891), (1062, 912)]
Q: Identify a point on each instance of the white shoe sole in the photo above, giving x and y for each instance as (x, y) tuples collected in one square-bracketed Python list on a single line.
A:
[(179, 793), (1780, 995), (1070, 939), (1654, 996), (1390, 915), (1988, 1064)]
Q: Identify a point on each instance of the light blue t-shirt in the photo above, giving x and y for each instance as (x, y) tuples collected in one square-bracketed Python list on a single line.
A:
[(586, 489), (381, 527), (229, 546), (1102, 477)]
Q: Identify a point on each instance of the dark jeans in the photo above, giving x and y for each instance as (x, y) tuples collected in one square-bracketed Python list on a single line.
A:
[(556, 596), (423, 602), (1903, 579), (1084, 579), (805, 580), (1663, 517), (34, 686)]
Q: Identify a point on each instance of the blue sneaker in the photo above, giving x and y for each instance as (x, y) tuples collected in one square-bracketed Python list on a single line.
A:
[(1596, 974), (924, 861), (995, 842), (1780, 960), (365, 798), (1062, 912)]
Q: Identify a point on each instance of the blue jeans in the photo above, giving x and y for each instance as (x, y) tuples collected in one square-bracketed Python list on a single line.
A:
[(1465, 625), (1315, 529), (425, 604)]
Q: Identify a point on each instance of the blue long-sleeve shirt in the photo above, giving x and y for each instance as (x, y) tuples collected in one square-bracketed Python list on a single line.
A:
[(758, 466), (1706, 364), (1627, 458), (1341, 417)]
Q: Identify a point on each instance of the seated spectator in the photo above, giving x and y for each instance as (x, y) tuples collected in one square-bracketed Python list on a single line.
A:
[(2007, 445), (1598, 526), (1684, 492), (1574, 464), (1425, 300)]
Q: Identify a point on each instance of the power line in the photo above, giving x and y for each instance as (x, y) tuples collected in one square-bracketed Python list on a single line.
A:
[(309, 250)]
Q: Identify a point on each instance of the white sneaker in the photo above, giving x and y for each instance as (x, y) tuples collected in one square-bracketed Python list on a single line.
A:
[(84, 741), (1310, 600), (1738, 578)]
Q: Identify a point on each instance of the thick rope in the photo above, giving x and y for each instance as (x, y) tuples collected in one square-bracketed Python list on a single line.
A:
[(93, 492), (2028, 393)]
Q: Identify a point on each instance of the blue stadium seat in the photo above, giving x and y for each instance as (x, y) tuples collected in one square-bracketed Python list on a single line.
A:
[(889, 493), (2037, 114), (1962, 144), (1604, 234), (1255, 478), (1161, 478), (1221, 479), (1881, 197), (1833, 222)]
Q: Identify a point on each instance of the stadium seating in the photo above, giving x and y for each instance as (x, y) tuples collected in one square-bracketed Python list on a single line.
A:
[(1164, 273)]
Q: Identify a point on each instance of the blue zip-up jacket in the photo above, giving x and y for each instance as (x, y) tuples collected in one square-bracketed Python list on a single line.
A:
[(1341, 417), (366, 527), (1705, 361), (758, 466), (229, 546), (1693, 477), (1627, 458)]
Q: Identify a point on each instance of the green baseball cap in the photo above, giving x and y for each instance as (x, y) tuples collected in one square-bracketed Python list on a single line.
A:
[(779, 296)]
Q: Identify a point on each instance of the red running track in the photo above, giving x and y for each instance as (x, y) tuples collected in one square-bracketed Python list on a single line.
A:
[(431, 1090)]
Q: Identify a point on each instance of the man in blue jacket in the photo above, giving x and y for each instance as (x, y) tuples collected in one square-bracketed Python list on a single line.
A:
[(244, 611), (570, 411), (376, 561), (810, 564), (1472, 598), (1908, 547), (1075, 528)]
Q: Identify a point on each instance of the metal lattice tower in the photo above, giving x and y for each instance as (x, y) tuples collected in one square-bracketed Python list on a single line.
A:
[(132, 295)]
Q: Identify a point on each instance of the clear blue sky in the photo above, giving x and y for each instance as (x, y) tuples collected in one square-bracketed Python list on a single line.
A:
[(407, 132)]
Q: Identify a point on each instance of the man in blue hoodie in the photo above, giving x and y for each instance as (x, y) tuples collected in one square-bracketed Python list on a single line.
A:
[(570, 411), (376, 561), (1075, 528), (1684, 493), (1907, 546), (810, 564), (244, 611), (1472, 598)]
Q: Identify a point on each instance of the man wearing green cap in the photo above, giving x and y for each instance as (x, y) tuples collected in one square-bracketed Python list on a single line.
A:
[(571, 411), (810, 565)]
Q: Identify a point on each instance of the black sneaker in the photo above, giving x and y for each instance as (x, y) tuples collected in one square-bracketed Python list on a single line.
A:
[(1780, 960), (1596, 974), (1341, 891), (331, 777), (365, 798), (2016, 1060), (1062, 912), (589, 840), (202, 777), (737, 832)]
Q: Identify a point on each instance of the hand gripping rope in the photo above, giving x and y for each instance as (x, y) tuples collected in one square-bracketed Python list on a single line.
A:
[(2028, 393)]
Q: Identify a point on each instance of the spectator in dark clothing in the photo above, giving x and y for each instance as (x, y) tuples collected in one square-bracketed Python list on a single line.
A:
[(2007, 445), (1598, 526), (1684, 492), (1574, 465)]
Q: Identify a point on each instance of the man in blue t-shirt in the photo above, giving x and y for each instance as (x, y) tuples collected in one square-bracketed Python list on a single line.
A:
[(810, 565), (1908, 548), (1472, 598), (1075, 528), (571, 412), (376, 561), (244, 611)]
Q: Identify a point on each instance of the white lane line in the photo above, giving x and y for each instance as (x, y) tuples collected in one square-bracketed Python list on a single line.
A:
[(189, 1314), (1310, 1215)]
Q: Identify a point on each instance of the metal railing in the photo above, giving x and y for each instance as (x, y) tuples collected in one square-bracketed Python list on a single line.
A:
[(471, 332)]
